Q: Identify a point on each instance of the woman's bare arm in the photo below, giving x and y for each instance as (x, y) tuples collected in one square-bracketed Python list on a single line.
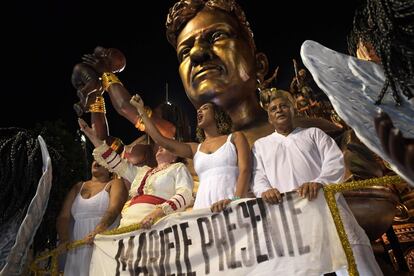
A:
[(186, 150), (64, 217), (244, 161)]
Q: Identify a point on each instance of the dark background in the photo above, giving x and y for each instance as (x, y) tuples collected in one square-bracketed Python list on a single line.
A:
[(44, 40)]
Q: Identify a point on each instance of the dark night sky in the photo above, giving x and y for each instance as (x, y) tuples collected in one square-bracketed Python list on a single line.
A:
[(52, 37)]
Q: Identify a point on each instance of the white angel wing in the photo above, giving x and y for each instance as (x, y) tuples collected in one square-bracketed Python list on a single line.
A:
[(33, 218)]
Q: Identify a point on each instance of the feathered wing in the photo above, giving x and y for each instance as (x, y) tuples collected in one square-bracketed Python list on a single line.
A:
[(352, 86), (27, 230)]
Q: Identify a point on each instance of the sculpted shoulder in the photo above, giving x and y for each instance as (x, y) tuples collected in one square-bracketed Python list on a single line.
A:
[(258, 131), (326, 126)]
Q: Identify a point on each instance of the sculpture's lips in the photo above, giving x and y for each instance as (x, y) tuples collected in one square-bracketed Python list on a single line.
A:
[(206, 69)]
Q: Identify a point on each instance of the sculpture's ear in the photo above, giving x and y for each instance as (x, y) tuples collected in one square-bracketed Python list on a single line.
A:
[(262, 66)]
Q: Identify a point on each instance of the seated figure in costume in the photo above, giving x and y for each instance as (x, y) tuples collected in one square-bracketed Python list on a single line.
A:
[(155, 192), (221, 160), (94, 206), (305, 159)]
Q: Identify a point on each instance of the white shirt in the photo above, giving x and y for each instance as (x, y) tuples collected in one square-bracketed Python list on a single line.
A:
[(305, 155), (286, 162)]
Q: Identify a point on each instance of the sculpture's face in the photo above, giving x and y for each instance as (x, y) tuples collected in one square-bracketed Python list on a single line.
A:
[(217, 64)]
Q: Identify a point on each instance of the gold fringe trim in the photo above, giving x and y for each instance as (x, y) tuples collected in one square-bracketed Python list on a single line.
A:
[(331, 190)]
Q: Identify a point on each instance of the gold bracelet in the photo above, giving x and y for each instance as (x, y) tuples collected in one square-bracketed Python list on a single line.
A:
[(116, 144), (148, 110), (108, 79), (98, 106), (140, 123)]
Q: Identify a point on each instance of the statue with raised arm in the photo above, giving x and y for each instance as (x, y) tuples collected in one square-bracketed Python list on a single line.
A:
[(94, 76)]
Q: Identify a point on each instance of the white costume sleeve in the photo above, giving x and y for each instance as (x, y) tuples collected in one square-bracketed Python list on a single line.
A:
[(260, 181), (184, 191), (332, 159), (109, 159)]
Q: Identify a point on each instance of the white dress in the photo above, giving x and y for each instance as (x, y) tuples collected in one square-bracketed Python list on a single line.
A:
[(218, 174), (86, 213)]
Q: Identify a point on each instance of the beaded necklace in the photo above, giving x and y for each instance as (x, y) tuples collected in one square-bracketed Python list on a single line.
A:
[(149, 173), (157, 169)]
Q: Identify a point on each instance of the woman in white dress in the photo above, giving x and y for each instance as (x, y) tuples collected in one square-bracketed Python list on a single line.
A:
[(92, 206), (222, 161)]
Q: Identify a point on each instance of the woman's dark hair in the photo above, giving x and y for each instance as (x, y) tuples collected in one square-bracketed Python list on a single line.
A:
[(388, 25), (222, 120), (362, 30)]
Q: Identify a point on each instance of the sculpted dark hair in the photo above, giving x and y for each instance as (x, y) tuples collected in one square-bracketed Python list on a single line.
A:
[(184, 10), (223, 123)]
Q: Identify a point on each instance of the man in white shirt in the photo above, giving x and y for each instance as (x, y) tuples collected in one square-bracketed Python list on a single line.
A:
[(305, 159)]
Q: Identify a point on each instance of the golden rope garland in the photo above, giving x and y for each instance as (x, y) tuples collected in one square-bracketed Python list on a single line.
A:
[(54, 254)]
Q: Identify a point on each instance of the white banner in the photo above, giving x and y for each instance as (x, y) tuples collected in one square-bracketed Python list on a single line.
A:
[(296, 237)]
